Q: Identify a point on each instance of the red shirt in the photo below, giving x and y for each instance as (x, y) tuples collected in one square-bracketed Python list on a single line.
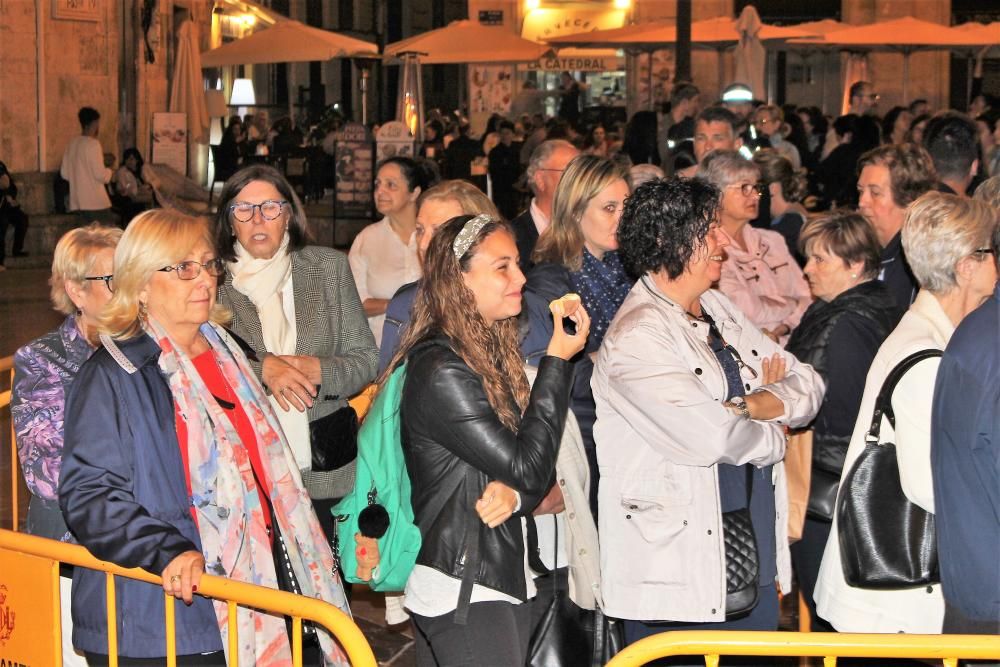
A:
[(212, 376)]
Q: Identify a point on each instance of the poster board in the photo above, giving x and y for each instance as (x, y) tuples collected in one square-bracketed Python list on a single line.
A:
[(490, 88), (394, 139), (170, 141), (354, 162), (29, 609)]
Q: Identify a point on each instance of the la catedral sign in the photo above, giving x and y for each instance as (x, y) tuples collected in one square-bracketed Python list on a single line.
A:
[(579, 64)]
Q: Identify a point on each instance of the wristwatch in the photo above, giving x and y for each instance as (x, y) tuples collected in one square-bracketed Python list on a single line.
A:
[(739, 404)]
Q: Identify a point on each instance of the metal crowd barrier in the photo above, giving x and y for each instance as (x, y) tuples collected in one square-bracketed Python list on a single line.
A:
[(827, 645), (27, 562), (7, 367)]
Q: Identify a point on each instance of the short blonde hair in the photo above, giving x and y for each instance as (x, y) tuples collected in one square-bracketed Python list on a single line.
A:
[(470, 199), (938, 231), (846, 235), (154, 239), (584, 178), (74, 260)]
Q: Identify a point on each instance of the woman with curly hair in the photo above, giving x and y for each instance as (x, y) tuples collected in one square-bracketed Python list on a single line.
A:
[(467, 418), (692, 405)]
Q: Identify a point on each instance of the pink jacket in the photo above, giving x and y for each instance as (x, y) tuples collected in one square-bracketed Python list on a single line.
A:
[(764, 281)]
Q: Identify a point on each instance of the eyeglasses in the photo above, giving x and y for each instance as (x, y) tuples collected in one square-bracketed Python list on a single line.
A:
[(983, 251), (551, 169), (748, 189), (715, 339), (270, 209), (107, 281), (190, 270)]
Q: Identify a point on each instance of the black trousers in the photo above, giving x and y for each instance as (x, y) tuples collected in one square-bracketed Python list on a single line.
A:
[(217, 658), (496, 634), (16, 218), (807, 555)]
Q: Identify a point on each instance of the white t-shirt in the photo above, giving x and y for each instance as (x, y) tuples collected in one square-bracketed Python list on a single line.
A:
[(83, 166), (381, 264)]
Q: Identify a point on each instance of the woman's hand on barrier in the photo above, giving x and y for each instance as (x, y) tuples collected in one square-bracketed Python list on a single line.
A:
[(552, 503), (289, 386), (497, 504), (368, 556), (182, 575), (563, 344)]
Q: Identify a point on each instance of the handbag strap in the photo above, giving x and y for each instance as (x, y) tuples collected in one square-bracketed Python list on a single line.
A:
[(472, 538), (883, 404)]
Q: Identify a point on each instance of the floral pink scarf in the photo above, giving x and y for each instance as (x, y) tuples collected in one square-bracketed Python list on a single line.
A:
[(230, 516)]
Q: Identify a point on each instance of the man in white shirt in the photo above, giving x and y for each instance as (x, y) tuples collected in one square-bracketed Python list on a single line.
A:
[(83, 166)]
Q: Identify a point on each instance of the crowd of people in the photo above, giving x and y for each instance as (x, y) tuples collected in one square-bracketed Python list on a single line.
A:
[(742, 275)]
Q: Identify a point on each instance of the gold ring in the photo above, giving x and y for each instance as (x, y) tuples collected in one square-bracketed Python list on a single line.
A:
[(175, 578)]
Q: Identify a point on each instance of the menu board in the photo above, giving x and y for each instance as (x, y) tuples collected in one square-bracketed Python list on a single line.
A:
[(170, 140), (353, 156), (394, 139)]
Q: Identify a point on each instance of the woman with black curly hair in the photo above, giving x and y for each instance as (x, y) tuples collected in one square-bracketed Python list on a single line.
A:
[(692, 403)]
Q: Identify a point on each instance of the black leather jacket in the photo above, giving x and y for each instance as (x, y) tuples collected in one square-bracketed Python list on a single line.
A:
[(451, 435)]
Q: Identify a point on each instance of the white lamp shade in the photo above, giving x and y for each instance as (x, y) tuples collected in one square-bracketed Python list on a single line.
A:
[(243, 95)]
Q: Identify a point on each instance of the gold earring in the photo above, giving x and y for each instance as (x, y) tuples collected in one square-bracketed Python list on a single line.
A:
[(143, 313)]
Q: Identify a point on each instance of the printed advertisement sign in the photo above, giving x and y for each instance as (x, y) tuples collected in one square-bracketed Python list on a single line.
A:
[(353, 155), (393, 139), (28, 606), (170, 140)]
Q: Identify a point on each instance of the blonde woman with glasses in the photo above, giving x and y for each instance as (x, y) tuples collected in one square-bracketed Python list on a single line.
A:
[(44, 370), (175, 462)]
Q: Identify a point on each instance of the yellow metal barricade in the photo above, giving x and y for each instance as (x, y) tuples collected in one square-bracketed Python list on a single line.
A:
[(27, 617), (826, 645), (7, 368)]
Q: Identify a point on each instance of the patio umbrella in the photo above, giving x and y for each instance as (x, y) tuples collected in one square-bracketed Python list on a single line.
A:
[(715, 33), (187, 88), (903, 35), (750, 54), (462, 42), (287, 42)]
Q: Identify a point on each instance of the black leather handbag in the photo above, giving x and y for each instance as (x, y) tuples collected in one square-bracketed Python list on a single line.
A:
[(823, 486), (886, 541), (742, 560), (334, 439), (559, 639)]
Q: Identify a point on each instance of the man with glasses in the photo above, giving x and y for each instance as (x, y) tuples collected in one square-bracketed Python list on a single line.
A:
[(545, 168), (863, 99)]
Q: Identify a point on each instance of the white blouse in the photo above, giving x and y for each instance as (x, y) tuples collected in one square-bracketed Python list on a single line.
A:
[(381, 264)]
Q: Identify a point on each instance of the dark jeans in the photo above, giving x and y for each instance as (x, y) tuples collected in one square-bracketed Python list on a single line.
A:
[(763, 617), (496, 634), (807, 554), (217, 658), (957, 623), (15, 218)]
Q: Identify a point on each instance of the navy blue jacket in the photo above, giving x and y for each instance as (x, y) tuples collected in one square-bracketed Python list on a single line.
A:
[(965, 464), (124, 497)]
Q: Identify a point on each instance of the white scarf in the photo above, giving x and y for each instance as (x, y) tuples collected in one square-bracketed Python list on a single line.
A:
[(263, 281)]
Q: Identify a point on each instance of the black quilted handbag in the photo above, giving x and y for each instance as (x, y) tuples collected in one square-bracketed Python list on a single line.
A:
[(334, 439), (886, 541), (742, 561)]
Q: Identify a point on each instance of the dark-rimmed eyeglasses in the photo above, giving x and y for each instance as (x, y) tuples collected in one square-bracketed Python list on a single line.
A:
[(107, 281), (270, 209), (748, 189), (190, 269), (983, 251)]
